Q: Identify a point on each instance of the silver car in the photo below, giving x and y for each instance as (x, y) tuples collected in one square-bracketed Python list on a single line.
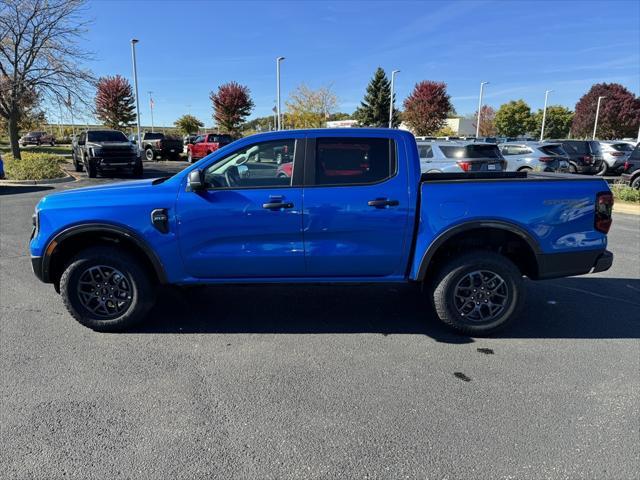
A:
[(459, 156), (614, 154), (536, 156)]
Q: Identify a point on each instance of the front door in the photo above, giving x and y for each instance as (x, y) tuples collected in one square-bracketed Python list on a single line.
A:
[(248, 223), (356, 207)]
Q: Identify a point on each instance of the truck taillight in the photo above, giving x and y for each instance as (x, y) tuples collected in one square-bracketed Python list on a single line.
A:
[(604, 206), (546, 159), (626, 166), (465, 166)]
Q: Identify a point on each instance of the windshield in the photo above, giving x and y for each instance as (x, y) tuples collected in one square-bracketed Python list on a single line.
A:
[(106, 136)]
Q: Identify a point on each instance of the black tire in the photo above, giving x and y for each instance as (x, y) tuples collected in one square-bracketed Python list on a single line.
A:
[(149, 155), (76, 164), (602, 171), (573, 168), (451, 280), (134, 278), (137, 170), (92, 169), (635, 183)]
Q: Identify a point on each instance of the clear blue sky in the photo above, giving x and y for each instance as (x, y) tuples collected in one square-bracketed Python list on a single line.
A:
[(188, 48)]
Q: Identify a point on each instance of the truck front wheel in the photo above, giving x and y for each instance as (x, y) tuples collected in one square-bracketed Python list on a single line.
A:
[(478, 293), (149, 155), (106, 289)]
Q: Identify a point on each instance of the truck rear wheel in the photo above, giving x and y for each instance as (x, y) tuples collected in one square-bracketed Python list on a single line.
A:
[(478, 293), (149, 155), (92, 169), (106, 289)]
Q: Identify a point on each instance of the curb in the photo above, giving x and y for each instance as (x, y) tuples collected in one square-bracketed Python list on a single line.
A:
[(626, 207), (44, 181)]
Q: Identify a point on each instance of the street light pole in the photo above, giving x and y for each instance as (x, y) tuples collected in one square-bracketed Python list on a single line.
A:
[(544, 113), (393, 76), (482, 84), (595, 124), (135, 82), (279, 123), (151, 107)]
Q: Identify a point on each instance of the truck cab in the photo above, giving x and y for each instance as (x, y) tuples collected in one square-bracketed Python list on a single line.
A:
[(205, 144)]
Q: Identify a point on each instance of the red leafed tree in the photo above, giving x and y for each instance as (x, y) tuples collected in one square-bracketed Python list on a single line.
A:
[(487, 121), (232, 104), (115, 104), (619, 115), (426, 109)]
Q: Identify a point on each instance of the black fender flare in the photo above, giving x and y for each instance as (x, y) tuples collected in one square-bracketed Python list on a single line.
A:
[(474, 225), (119, 230)]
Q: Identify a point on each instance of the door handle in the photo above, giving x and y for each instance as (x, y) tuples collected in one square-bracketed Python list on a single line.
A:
[(277, 205), (383, 202)]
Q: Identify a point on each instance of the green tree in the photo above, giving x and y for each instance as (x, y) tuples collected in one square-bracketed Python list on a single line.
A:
[(374, 108), (188, 124), (310, 108), (514, 118), (557, 123)]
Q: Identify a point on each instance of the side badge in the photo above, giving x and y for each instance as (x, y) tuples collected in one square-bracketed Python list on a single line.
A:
[(160, 220)]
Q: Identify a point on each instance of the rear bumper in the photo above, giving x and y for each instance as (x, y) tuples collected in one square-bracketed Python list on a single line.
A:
[(556, 265)]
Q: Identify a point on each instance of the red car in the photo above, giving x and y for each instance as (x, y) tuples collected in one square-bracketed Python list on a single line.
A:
[(285, 170), (203, 145)]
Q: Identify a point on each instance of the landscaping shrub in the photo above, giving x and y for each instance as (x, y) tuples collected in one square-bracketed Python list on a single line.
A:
[(625, 193), (33, 166)]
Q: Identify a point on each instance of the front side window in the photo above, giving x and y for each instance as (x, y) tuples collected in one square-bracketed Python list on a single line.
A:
[(342, 161), (425, 151), (258, 165)]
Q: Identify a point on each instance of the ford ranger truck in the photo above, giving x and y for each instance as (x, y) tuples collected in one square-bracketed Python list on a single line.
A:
[(355, 209)]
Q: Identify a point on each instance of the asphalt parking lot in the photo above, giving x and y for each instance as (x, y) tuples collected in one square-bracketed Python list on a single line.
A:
[(318, 382)]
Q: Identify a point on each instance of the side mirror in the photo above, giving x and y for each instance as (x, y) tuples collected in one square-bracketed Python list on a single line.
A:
[(195, 181)]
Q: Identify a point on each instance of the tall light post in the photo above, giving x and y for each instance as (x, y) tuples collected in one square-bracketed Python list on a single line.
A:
[(595, 124), (135, 82), (544, 113), (393, 76), (278, 113), (151, 107), (482, 84)]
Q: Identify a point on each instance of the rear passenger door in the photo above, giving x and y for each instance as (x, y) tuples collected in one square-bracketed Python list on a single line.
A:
[(355, 207)]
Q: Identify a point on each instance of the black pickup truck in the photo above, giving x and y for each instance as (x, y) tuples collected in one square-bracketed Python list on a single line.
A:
[(100, 151), (156, 144)]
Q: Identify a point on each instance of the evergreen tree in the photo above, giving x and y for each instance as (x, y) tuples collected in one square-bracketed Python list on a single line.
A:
[(374, 108)]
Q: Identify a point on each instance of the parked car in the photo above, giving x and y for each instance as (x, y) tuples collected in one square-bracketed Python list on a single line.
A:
[(369, 216), (541, 157), (101, 151), (285, 170), (585, 156), (205, 144), (631, 172), (156, 144), (614, 154), (37, 138), (459, 156)]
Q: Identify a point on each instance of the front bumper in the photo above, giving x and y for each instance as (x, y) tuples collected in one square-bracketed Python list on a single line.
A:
[(115, 163), (556, 265), (36, 265)]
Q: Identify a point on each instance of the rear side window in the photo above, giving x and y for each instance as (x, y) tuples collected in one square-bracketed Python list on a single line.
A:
[(553, 150), (515, 150), (576, 147), (622, 147), (342, 161), (425, 151)]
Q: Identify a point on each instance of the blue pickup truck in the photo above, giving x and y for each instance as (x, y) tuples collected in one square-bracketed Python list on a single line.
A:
[(352, 207)]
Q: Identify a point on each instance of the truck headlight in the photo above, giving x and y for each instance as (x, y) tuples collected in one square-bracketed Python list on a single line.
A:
[(95, 151)]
